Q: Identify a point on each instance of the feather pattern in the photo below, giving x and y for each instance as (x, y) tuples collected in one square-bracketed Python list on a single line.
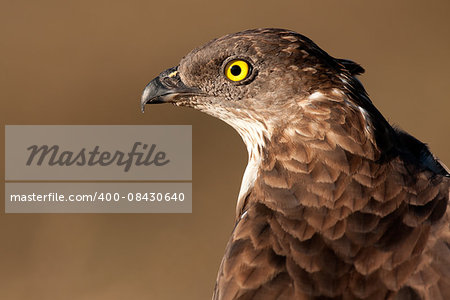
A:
[(333, 219)]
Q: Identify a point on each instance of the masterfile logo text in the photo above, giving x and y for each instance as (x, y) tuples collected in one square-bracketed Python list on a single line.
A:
[(140, 154)]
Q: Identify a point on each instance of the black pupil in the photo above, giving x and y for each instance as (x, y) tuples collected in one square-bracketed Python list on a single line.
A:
[(235, 70)]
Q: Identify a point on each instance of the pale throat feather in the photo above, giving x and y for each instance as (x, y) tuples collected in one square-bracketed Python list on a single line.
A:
[(254, 134)]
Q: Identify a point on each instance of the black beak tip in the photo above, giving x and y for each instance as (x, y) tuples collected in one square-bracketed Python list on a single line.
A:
[(154, 93), (144, 100), (155, 100)]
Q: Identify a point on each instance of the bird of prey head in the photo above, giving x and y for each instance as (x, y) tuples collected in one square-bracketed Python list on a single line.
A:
[(334, 203)]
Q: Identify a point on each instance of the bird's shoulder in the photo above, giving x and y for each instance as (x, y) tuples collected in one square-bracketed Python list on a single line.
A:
[(416, 152)]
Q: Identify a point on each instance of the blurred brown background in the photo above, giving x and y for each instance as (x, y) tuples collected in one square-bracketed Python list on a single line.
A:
[(86, 62)]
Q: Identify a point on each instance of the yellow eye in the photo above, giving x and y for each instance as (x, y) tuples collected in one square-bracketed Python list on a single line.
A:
[(237, 70)]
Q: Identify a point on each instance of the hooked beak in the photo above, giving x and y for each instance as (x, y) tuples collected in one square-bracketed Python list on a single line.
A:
[(166, 88)]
